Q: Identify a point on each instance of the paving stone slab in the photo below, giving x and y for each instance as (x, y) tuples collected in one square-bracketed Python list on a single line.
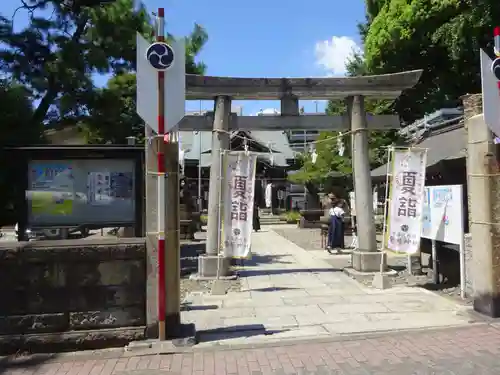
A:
[(287, 310), (319, 319), (314, 300), (253, 302), (359, 308)]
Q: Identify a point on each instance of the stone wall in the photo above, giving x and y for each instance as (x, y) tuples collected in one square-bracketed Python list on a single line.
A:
[(59, 291)]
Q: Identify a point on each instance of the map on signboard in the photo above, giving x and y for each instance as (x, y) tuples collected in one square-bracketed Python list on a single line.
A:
[(104, 188), (51, 190)]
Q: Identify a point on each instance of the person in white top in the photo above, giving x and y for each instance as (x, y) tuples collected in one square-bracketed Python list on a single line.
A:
[(336, 227)]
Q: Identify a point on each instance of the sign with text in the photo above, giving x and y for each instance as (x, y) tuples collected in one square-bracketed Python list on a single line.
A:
[(239, 191), (407, 180), (443, 217), (81, 191)]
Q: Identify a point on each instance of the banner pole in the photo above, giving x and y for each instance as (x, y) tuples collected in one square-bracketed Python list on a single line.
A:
[(219, 215), (386, 200)]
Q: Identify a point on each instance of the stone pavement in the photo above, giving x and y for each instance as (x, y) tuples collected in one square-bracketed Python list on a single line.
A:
[(289, 293), (460, 351)]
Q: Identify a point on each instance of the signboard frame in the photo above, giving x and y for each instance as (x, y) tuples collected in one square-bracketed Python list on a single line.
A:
[(25, 155)]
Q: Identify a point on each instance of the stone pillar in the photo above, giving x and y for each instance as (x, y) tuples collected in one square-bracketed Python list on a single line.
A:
[(366, 258), (172, 242), (151, 168), (208, 265), (290, 106), (473, 105), (483, 174)]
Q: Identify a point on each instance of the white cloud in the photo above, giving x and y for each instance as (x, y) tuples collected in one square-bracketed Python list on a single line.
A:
[(267, 111), (333, 54)]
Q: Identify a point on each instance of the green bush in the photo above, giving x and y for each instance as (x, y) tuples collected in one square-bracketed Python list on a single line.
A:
[(290, 216)]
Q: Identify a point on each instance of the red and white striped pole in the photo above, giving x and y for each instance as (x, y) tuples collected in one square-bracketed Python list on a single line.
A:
[(496, 39), (162, 137)]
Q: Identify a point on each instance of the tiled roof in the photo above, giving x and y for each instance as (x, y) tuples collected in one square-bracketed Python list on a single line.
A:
[(442, 144), (201, 143)]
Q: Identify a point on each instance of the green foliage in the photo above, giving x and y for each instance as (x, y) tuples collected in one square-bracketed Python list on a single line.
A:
[(329, 164), (55, 56), (442, 37), (112, 113), (290, 216), (327, 160), (17, 129)]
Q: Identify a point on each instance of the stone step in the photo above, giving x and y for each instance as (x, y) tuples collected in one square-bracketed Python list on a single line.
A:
[(270, 220)]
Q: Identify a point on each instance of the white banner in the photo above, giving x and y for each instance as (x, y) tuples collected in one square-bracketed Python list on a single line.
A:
[(404, 222), (238, 195), (352, 203)]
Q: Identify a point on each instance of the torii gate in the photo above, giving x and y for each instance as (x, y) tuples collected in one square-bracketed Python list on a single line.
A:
[(289, 90)]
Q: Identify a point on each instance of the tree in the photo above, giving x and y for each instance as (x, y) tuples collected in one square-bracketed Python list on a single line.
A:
[(441, 37), (17, 129), (329, 163), (55, 56), (112, 112)]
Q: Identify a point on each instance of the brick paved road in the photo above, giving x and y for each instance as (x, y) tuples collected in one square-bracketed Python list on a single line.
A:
[(473, 350)]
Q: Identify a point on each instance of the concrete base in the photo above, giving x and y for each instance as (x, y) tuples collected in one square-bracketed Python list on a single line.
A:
[(367, 261), (212, 266), (349, 271), (381, 281)]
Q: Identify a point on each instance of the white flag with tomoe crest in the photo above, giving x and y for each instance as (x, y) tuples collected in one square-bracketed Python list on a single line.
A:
[(238, 195), (404, 222)]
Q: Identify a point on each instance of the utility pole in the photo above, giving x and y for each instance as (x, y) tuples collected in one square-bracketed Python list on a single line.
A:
[(160, 37), (168, 213)]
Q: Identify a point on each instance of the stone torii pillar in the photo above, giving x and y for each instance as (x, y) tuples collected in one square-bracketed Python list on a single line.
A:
[(366, 256), (289, 91), (210, 265)]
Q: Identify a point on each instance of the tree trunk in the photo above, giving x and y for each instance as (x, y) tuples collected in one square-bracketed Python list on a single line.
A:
[(312, 198), (53, 86)]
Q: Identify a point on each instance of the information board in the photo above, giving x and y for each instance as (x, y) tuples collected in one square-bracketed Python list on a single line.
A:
[(78, 192), (442, 215)]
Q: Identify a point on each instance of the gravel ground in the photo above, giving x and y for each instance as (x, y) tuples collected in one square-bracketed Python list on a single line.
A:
[(197, 286), (310, 239), (190, 251)]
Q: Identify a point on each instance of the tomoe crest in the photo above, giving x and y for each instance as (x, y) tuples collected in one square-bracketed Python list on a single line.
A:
[(160, 55)]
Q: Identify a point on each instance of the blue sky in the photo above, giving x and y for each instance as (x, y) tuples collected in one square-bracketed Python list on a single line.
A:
[(261, 38)]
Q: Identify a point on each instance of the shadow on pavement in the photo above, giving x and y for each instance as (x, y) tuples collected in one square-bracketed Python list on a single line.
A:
[(257, 259), (272, 289), (189, 307), (247, 273), (12, 363), (234, 332)]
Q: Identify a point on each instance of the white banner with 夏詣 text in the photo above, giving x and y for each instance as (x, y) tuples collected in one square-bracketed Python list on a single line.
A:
[(407, 181), (238, 195)]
